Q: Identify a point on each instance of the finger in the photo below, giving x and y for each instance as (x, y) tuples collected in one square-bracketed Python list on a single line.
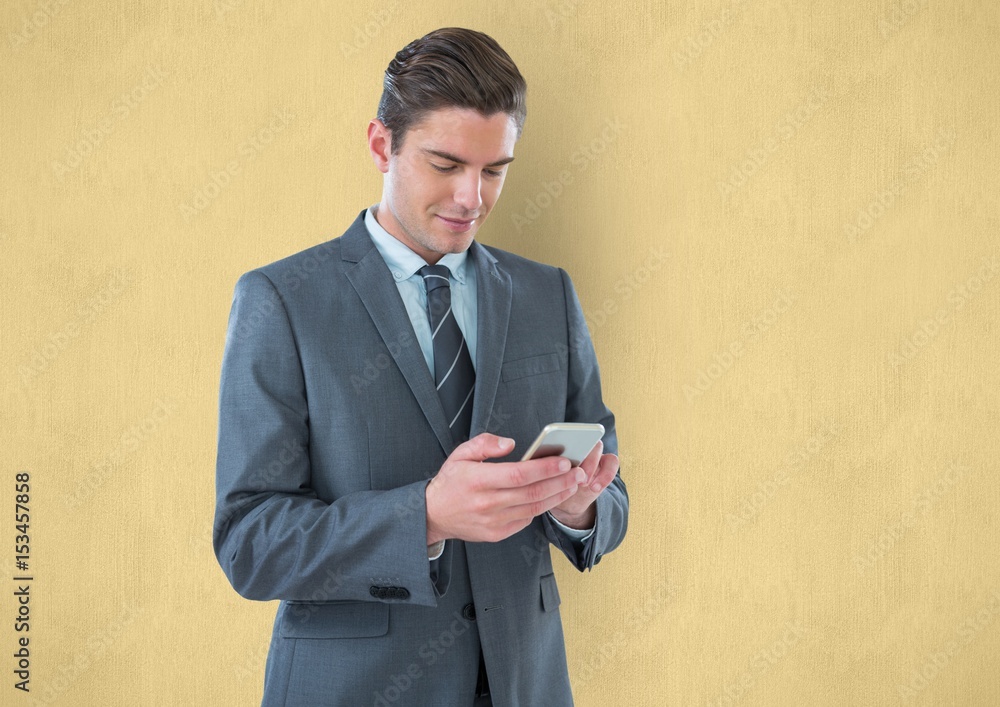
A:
[(518, 474), (481, 447), (536, 508), (590, 464), (540, 490), (605, 473)]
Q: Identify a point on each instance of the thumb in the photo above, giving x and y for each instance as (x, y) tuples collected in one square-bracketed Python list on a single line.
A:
[(483, 446)]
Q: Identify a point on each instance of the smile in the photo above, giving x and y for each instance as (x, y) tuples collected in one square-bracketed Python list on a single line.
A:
[(455, 224)]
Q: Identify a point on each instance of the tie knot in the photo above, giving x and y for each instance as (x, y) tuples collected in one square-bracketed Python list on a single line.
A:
[(435, 276)]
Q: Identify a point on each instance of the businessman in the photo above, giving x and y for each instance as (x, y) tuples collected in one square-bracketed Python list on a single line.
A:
[(377, 393)]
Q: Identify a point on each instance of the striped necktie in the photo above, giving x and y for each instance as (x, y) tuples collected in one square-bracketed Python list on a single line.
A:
[(453, 372)]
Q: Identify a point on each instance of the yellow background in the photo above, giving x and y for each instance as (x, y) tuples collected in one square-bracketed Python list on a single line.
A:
[(782, 222)]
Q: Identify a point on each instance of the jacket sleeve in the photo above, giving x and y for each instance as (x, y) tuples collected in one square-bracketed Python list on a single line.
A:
[(584, 403), (272, 535)]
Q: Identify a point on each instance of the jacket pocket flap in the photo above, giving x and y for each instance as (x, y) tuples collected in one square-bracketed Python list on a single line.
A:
[(348, 619), (531, 366), (550, 592)]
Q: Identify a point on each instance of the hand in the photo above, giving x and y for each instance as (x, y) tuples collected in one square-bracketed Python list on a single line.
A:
[(487, 502), (578, 510)]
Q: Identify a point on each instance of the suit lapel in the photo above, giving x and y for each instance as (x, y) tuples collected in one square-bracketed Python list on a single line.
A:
[(493, 305), (371, 278), (374, 284)]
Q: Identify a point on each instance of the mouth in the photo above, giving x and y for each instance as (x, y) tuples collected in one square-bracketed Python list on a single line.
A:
[(456, 225), (456, 221)]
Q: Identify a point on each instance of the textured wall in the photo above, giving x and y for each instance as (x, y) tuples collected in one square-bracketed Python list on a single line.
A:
[(782, 221)]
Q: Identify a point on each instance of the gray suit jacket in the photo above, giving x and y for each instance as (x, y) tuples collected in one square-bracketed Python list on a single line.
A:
[(330, 428)]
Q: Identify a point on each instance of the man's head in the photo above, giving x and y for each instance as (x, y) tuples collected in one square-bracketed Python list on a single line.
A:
[(453, 105)]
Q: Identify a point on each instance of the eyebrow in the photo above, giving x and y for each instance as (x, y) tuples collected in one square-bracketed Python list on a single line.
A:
[(458, 160)]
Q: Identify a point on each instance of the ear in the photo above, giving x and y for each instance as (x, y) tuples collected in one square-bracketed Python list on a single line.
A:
[(379, 143)]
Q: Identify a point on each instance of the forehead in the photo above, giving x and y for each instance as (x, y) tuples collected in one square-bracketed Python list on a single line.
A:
[(464, 132)]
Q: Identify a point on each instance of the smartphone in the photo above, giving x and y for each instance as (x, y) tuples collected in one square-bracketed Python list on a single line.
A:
[(572, 440)]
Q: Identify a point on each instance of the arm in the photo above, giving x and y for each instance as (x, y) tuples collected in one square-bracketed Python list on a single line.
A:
[(584, 403), (273, 537)]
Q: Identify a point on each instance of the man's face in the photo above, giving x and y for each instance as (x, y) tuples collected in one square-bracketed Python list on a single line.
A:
[(440, 187)]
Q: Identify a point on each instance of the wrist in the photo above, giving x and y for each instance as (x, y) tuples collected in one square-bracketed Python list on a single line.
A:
[(434, 533), (433, 537), (579, 521)]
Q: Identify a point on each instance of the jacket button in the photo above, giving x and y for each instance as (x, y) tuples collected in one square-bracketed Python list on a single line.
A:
[(469, 612)]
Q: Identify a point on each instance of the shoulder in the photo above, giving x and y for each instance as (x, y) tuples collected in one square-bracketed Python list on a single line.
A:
[(530, 280), (518, 265), (314, 259), (296, 271), (316, 266)]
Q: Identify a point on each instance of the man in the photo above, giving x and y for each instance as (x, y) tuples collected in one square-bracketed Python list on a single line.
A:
[(413, 561)]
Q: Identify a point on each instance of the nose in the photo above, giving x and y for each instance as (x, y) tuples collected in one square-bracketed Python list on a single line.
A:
[(468, 193)]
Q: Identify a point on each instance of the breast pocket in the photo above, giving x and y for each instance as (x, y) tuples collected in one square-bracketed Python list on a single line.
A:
[(348, 619), (532, 393), (530, 366)]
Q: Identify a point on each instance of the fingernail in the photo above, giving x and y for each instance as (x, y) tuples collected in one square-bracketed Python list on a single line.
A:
[(581, 476), (506, 441), (564, 465)]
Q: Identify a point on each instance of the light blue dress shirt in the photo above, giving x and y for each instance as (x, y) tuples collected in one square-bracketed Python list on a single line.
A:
[(403, 263)]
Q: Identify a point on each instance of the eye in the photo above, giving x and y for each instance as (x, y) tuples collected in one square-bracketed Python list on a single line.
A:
[(442, 169), (494, 172)]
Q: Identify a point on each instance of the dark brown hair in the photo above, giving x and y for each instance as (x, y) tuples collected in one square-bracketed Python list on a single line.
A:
[(450, 67)]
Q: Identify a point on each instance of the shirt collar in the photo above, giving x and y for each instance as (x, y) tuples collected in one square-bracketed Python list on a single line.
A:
[(403, 263)]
